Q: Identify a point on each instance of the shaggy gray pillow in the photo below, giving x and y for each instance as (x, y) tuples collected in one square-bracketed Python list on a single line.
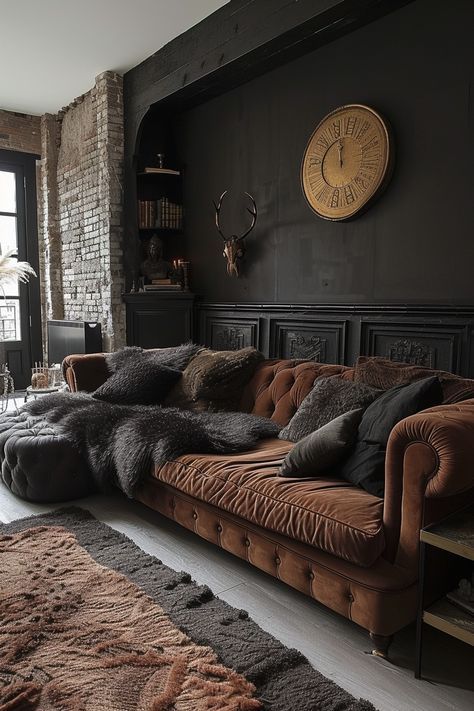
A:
[(138, 382), (324, 448), (176, 357), (118, 359), (329, 398)]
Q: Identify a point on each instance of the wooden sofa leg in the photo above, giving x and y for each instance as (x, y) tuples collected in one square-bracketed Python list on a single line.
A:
[(381, 644)]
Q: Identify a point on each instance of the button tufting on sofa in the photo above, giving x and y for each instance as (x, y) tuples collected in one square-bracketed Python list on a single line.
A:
[(348, 542)]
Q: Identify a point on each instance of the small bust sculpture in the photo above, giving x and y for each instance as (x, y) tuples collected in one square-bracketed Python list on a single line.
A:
[(154, 266)]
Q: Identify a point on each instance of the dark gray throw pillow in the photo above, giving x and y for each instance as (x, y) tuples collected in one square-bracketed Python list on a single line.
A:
[(139, 382), (366, 465), (329, 398), (323, 449), (175, 357)]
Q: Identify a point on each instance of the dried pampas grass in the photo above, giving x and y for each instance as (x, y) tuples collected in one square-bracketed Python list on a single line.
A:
[(11, 269)]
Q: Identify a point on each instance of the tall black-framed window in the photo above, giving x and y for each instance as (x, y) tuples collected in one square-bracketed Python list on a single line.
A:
[(20, 307)]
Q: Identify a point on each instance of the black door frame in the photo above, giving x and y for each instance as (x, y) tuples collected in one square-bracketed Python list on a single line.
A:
[(24, 165)]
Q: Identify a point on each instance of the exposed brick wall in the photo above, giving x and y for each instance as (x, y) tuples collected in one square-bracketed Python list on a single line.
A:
[(82, 209), (20, 132), (49, 233), (79, 205)]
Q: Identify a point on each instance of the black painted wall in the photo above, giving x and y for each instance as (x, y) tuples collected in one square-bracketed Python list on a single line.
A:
[(416, 244)]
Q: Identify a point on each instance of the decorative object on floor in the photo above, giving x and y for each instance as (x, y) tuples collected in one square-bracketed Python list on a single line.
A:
[(454, 534), (155, 639), (121, 444), (323, 449), (234, 246), (347, 163), (7, 387)]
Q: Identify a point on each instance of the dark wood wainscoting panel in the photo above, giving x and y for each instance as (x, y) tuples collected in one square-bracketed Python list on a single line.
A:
[(308, 338), (439, 337), (230, 334), (431, 345)]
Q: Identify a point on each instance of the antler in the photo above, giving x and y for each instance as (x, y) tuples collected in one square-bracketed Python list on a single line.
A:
[(218, 210), (254, 216)]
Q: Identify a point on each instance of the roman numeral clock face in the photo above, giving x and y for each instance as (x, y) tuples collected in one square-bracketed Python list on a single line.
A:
[(347, 162)]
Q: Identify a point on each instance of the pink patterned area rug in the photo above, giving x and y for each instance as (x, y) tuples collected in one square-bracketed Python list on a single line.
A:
[(89, 622)]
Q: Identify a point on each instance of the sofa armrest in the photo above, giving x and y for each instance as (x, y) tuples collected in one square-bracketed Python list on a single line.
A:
[(429, 473), (85, 371)]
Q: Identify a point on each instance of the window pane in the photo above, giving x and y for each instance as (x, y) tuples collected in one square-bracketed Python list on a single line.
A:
[(7, 242), (7, 233), (10, 321), (7, 191)]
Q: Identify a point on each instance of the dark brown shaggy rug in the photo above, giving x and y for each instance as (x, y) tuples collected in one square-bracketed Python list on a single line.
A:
[(89, 622)]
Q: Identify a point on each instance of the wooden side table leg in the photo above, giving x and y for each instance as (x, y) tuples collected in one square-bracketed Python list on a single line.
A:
[(419, 619)]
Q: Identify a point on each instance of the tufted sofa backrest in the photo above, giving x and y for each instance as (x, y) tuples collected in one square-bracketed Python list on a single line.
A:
[(279, 387)]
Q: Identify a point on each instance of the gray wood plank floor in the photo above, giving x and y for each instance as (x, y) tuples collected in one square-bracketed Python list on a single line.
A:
[(336, 647)]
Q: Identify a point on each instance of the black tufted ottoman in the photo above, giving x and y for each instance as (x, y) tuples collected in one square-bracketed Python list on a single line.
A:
[(39, 464)]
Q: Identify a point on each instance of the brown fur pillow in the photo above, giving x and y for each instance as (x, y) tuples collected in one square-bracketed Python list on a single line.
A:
[(214, 380), (385, 374)]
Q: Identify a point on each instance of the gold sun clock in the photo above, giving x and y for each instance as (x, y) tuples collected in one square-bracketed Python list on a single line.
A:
[(347, 162)]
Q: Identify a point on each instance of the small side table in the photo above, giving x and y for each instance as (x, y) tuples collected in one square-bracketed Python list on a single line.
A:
[(456, 536), (35, 392)]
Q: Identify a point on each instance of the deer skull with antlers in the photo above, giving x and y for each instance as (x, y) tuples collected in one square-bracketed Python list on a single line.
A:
[(234, 246)]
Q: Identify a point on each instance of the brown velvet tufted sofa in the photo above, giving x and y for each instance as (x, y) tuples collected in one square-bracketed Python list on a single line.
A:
[(347, 549)]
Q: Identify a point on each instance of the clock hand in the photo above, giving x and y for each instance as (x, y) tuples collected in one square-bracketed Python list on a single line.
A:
[(339, 148)]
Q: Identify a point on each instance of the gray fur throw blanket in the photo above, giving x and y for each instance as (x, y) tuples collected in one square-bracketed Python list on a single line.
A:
[(121, 443)]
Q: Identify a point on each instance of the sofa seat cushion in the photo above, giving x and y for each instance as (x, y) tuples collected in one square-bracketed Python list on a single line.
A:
[(328, 513)]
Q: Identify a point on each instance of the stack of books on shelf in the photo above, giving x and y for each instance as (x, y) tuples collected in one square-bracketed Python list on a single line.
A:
[(162, 285), (160, 214)]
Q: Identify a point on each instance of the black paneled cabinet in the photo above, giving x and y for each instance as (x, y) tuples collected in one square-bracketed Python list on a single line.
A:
[(159, 320)]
